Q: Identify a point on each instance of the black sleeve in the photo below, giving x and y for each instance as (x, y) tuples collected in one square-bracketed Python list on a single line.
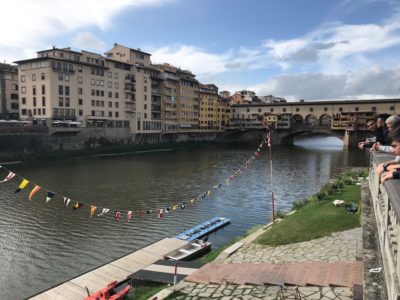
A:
[(396, 174)]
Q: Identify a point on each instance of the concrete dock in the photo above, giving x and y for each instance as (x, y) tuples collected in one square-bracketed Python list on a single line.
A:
[(118, 269)]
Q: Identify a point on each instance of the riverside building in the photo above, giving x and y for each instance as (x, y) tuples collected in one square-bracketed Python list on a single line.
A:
[(9, 106), (121, 89)]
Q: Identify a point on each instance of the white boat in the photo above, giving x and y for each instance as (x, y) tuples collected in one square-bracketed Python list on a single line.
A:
[(190, 250)]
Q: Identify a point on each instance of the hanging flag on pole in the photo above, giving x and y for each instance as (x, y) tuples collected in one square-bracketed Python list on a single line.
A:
[(103, 212), (22, 185), (77, 206), (269, 143), (34, 191), (117, 215), (10, 176), (129, 215)]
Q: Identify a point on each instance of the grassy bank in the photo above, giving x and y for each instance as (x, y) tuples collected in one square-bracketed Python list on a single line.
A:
[(316, 216)]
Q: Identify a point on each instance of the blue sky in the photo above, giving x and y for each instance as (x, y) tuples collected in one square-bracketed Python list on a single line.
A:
[(309, 49)]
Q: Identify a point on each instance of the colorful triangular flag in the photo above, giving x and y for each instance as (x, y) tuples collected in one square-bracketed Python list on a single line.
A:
[(49, 196), (92, 210), (66, 202), (22, 185), (34, 191), (77, 206), (10, 176), (129, 215), (117, 215), (103, 212)]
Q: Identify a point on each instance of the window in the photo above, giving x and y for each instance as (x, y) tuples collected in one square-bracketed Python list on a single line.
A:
[(102, 103), (93, 92), (284, 110), (66, 90), (23, 100), (116, 85), (110, 114), (61, 90), (60, 101), (67, 101), (43, 101), (14, 105), (297, 109), (43, 111), (271, 110), (43, 89), (109, 74), (23, 112), (98, 103), (356, 108), (145, 89), (109, 94), (34, 101), (145, 106), (34, 111), (80, 79), (93, 103), (391, 108), (311, 109), (98, 93), (340, 109), (93, 113), (116, 75), (66, 77), (80, 91), (60, 77), (325, 109), (80, 112), (145, 97), (102, 93), (373, 108), (80, 69), (110, 84), (116, 95), (109, 104), (80, 101), (116, 114), (34, 90), (145, 79), (145, 115), (23, 78), (93, 82), (33, 77), (116, 104)]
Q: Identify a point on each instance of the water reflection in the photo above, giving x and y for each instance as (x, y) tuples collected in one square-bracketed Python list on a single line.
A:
[(326, 143)]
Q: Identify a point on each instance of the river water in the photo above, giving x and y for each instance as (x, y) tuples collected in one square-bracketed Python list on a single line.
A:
[(45, 244)]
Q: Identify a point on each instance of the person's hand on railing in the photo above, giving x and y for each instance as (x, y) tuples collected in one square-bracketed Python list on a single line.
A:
[(375, 147), (387, 175)]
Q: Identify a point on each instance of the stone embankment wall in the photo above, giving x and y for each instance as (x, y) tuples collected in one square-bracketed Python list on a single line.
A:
[(17, 143)]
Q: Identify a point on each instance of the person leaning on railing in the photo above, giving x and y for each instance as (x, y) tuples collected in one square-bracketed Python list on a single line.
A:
[(378, 130), (392, 123), (391, 169)]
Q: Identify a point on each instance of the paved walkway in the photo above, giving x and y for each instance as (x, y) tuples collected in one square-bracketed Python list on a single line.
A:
[(341, 246)]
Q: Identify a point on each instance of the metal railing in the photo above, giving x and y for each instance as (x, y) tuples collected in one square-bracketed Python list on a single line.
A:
[(386, 204)]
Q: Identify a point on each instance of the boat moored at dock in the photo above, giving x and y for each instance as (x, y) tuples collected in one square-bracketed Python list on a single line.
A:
[(203, 229)]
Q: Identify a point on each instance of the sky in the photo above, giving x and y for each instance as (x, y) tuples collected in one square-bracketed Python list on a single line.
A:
[(308, 49)]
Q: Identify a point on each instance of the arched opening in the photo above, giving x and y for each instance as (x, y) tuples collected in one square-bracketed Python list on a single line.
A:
[(297, 121), (311, 121), (325, 121)]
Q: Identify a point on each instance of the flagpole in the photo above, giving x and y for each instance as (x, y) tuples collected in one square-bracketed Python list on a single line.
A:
[(270, 167)]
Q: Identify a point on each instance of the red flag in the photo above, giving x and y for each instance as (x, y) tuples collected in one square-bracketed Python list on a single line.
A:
[(34, 191), (117, 215), (10, 176), (129, 216)]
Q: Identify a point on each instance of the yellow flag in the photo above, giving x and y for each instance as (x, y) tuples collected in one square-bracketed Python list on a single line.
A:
[(23, 185), (34, 191), (92, 210), (208, 193), (174, 207)]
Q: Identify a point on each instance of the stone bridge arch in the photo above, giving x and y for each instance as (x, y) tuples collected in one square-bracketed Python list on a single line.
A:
[(287, 137)]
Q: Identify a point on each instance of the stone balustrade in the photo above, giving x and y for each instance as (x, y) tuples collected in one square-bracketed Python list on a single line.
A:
[(386, 204)]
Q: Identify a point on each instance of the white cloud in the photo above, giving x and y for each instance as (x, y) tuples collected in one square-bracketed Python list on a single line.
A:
[(26, 24), (372, 83), (88, 41), (194, 59)]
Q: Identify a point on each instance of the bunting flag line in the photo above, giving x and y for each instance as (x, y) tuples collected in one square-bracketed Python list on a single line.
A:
[(139, 213), (49, 196), (34, 191), (10, 176), (22, 185)]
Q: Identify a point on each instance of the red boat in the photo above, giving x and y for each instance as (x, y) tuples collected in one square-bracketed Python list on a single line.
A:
[(113, 291)]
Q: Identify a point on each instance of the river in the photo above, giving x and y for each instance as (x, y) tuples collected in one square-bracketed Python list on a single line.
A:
[(45, 244)]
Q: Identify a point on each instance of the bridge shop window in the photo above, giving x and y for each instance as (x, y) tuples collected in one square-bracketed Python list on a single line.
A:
[(391, 108), (373, 108), (271, 109), (297, 109), (311, 109), (325, 109), (340, 108), (284, 109), (356, 108)]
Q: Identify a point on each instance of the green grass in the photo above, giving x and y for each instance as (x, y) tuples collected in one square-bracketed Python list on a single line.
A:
[(144, 292), (315, 219)]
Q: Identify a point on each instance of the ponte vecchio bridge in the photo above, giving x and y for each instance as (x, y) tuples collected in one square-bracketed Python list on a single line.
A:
[(345, 119)]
